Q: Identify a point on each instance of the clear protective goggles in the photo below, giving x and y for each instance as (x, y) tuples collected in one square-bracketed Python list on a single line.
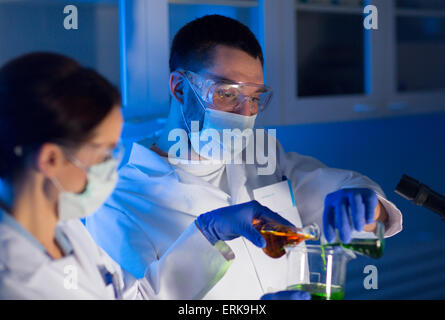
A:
[(229, 96), (99, 154)]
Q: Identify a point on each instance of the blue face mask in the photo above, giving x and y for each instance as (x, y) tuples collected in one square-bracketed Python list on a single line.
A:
[(102, 179), (235, 132), (216, 121)]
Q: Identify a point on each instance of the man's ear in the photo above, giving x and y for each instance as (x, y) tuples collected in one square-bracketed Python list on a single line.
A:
[(49, 159), (177, 86)]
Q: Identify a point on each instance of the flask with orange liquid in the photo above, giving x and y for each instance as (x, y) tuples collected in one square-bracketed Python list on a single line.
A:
[(279, 236)]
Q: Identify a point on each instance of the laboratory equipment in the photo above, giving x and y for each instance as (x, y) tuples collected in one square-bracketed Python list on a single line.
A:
[(370, 247), (421, 195), (320, 271), (279, 236)]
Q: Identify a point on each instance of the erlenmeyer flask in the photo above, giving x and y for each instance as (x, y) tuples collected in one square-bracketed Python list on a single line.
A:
[(370, 247), (279, 236)]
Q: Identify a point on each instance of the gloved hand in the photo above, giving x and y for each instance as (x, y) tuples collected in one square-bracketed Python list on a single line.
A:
[(228, 223), (348, 209), (287, 295)]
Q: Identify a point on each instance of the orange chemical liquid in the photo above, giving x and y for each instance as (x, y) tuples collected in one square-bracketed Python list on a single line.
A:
[(278, 236)]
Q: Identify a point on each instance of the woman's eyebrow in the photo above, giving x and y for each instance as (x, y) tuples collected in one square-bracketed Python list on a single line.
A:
[(101, 144)]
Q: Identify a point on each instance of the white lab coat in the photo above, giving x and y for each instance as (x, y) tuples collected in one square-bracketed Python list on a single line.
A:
[(27, 272), (155, 201)]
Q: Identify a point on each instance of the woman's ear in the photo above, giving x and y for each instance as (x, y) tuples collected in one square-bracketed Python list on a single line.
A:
[(49, 159), (177, 86)]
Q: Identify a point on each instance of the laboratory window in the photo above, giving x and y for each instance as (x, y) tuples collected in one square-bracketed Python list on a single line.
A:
[(330, 48), (182, 12), (330, 54), (420, 45)]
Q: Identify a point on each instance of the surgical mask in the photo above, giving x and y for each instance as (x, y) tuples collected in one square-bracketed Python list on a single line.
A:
[(102, 179), (231, 143)]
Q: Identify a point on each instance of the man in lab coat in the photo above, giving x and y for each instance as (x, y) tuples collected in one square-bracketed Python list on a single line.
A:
[(216, 83)]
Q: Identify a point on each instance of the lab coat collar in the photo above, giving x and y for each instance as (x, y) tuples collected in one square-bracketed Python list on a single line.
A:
[(17, 252), (141, 156), (152, 164), (11, 223), (60, 236)]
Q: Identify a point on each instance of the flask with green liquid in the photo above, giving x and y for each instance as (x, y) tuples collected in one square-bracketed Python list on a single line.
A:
[(320, 271), (373, 247)]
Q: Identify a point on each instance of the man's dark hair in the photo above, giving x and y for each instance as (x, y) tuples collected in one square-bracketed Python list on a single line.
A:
[(193, 45)]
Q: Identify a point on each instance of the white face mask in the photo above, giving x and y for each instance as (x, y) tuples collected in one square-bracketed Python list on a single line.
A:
[(102, 179), (239, 127)]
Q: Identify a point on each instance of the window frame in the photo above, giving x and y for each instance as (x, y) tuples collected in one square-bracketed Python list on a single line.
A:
[(277, 20)]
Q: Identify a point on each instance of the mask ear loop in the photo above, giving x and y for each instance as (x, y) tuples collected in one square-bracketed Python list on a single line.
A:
[(199, 100), (60, 189), (55, 182), (58, 186)]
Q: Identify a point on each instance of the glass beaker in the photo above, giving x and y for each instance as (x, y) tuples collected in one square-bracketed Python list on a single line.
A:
[(318, 271)]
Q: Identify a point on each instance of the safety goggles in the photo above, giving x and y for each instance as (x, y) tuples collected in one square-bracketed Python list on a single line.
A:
[(98, 152), (229, 96)]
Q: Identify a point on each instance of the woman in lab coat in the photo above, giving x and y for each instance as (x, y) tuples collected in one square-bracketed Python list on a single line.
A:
[(59, 130)]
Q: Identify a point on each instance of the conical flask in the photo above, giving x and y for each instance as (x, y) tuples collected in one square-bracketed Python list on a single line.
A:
[(279, 236)]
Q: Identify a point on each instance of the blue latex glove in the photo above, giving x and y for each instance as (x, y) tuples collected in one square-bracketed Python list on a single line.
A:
[(348, 209), (287, 295), (231, 222)]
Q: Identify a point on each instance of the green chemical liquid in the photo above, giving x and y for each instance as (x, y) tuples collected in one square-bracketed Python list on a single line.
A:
[(319, 291), (372, 248), (323, 256), (369, 247)]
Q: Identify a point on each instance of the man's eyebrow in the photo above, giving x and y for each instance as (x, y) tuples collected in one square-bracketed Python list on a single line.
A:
[(221, 78), (262, 89)]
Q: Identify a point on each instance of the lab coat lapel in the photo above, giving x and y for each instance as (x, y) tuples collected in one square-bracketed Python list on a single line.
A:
[(185, 189), (193, 190), (148, 161)]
